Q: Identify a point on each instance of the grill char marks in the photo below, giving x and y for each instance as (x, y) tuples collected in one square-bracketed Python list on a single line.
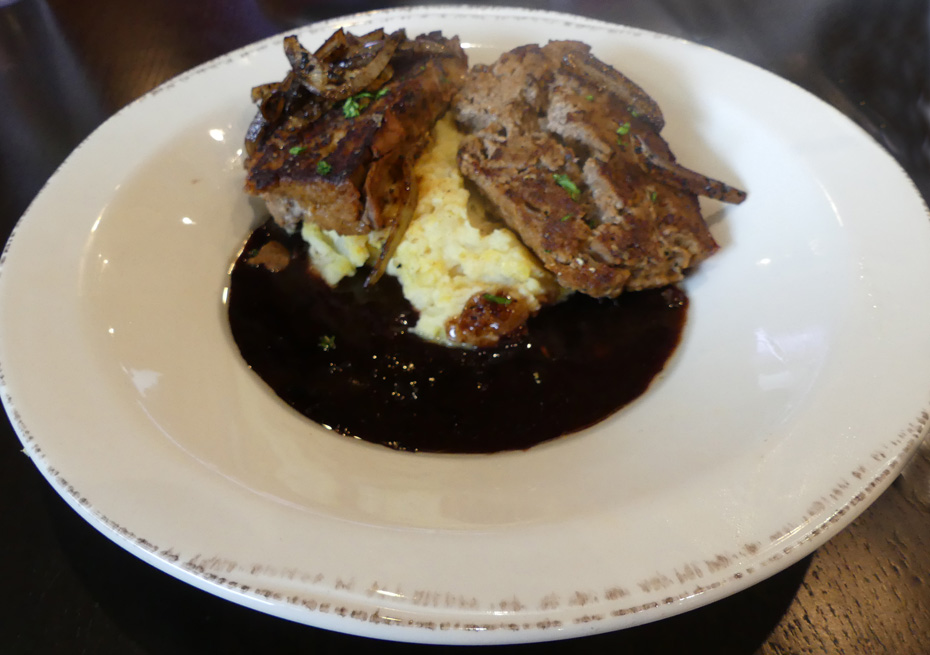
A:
[(567, 150), (311, 153)]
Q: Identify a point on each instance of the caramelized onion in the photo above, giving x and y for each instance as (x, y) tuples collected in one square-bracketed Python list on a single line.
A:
[(359, 63), (261, 92), (278, 102), (676, 175), (272, 106), (391, 188), (254, 135), (333, 45), (304, 64)]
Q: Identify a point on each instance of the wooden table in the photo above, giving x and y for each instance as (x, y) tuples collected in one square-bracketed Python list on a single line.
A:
[(66, 66)]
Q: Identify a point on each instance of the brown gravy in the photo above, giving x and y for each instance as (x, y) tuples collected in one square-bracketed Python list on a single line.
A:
[(343, 358)]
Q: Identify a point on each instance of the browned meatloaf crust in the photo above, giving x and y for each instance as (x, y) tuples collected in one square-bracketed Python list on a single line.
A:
[(567, 151), (333, 140)]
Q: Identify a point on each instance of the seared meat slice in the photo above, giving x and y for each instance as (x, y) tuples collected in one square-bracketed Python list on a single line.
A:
[(528, 179), (512, 95), (334, 141), (318, 181), (574, 59), (599, 197)]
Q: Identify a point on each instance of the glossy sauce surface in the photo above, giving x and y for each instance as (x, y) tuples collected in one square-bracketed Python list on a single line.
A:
[(343, 358)]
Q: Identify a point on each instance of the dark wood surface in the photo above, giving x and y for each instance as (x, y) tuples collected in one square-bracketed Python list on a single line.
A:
[(67, 65)]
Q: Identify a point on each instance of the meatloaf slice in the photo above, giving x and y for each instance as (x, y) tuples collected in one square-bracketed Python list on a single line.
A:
[(567, 150), (311, 159)]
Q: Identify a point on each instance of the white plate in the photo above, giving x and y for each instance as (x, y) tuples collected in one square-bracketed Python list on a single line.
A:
[(800, 388)]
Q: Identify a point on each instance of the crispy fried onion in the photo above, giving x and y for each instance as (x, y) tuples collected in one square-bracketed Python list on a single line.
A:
[(345, 64)]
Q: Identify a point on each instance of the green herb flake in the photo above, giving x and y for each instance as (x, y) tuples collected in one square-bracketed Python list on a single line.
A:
[(296, 150), (633, 112), (500, 300), (566, 217), (566, 183), (624, 129), (589, 98), (323, 167), (327, 342), (351, 108), (653, 196), (381, 93)]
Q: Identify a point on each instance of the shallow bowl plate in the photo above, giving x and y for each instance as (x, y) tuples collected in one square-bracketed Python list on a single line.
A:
[(799, 390)]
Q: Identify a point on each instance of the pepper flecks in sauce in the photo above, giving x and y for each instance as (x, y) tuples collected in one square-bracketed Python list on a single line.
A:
[(343, 358)]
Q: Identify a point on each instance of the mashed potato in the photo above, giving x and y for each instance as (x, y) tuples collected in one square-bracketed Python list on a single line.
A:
[(336, 256), (450, 255)]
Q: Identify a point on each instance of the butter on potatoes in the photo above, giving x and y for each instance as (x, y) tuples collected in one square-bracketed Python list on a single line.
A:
[(469, 279)]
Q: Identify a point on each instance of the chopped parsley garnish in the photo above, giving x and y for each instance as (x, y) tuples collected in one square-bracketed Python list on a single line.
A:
[(327, 342), (323, 167), (633, 112), (500, 300), (352, 108), (566, 183), (296, 150), (566, 217), (589, 97), (624, 129), (653, 196), (381, 93)]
